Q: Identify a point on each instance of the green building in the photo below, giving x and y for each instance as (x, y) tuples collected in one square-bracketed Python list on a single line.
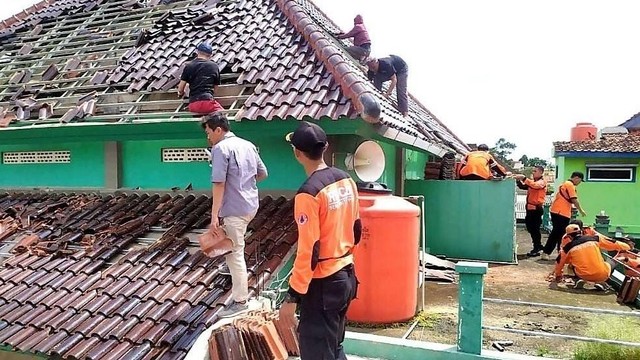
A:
[(611, 184), (90, 101)]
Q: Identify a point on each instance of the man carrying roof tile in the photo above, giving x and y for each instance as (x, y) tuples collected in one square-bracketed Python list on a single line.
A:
[(395, 69), (236, 168), (361, 43), (480, 165), (202, 76), (323, 281), (566, 197)]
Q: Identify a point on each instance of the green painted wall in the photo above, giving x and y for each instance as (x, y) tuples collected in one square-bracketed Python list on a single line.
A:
[(468, 219), (389, 175), (142, 166), (86, 169), (414, 164), (618, 200), (141, 154)]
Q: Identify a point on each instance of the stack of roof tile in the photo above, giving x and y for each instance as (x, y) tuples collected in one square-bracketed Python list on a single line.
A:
[(84, 287), (259, 335)]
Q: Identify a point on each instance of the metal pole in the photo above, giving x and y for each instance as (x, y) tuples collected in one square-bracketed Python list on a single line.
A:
[(563, 307), (560, 336)]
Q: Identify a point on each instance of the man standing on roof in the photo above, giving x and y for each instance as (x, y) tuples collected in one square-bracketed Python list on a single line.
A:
[(202, 76), (560, 210), (480, 165), (583, 253), (536, 195), (323, 281), (395, 69), (361, 43), (236, 168)]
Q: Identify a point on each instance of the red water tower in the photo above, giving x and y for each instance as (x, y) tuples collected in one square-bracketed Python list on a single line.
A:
[(584, 131)]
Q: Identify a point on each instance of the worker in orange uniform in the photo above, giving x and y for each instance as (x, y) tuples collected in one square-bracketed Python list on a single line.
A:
[(536, 195), (480, 165), (583, 253), (323, 281), (560, 210)]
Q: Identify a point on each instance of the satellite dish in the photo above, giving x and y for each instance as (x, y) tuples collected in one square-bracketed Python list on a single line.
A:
[(367, 161)]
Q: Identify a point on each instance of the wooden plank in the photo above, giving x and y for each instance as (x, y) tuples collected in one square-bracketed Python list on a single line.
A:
[(437, 263)]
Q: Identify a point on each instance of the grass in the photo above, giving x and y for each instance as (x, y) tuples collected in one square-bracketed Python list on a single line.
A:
[(542, 350), (424, 319), (611, 328)]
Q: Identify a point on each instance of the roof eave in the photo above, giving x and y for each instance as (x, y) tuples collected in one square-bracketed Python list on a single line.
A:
[(597, 154)]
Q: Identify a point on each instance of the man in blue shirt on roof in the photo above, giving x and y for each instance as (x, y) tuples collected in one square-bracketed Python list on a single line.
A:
[(395, 69), (236, 168)]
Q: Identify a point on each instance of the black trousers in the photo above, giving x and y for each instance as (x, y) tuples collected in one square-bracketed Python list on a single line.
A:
[(559, 224), (322, 315), (533, 221)]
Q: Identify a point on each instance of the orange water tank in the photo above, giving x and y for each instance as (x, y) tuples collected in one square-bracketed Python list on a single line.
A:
[(386, 259), (584, 131)]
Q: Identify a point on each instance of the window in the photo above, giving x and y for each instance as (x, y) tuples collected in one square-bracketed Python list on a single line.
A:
[(613, 173), (185, 154), (36, 157)]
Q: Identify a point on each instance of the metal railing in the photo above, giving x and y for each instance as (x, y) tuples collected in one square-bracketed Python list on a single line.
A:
[(470, 313)]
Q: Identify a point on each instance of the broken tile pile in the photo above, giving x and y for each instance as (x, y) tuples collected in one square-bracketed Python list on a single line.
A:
[(82, 284), (438, 270), (259, 335)]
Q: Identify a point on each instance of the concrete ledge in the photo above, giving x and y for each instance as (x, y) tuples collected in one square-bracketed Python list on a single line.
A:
[(389, 348)]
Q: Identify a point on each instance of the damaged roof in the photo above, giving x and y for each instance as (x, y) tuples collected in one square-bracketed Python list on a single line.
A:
[(610, 143), (278, 58), (87, 279)]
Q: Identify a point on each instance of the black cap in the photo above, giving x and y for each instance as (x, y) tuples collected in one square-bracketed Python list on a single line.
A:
[(307, 137)]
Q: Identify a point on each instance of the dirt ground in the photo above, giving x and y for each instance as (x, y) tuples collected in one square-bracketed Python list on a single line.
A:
[(524, 282)]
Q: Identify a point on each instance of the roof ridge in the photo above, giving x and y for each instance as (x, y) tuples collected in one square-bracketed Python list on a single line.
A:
[(329, 54)]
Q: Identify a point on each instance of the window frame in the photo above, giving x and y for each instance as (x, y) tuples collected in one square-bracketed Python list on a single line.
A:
[(619, 167)]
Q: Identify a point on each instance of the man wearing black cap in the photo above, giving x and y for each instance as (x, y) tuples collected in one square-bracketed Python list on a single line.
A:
[(202, 75), (323, 281)]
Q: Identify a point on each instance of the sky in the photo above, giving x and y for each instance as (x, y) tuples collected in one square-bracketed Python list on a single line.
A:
[(524, 70)]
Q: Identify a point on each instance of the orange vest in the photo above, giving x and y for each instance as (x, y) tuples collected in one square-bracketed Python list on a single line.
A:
[(477, 163), (536, 193)]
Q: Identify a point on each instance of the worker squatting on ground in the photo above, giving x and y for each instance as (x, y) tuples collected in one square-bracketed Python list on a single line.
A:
[(361, 48), (202, 76), (480, 165), (536, 194), (584, 255), (323, 281), (395, 69), (235, 170), (560, 210)]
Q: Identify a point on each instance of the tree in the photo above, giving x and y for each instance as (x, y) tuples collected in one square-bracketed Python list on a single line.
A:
[(537, 161), (502, 150)]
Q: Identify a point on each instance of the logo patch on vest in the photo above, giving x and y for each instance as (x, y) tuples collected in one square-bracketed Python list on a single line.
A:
[(302, 219)]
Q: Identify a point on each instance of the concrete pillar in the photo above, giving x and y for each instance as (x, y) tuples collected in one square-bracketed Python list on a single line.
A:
[(470, 292), (112, 164), (400, 168)]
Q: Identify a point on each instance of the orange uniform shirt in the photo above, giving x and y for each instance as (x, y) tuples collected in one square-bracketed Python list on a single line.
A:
[(562, 202), (480, 163), (326, 211), (536, 193), (583, 253)]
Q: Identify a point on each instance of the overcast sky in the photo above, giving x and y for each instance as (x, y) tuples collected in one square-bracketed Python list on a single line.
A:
[(523, 70)]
